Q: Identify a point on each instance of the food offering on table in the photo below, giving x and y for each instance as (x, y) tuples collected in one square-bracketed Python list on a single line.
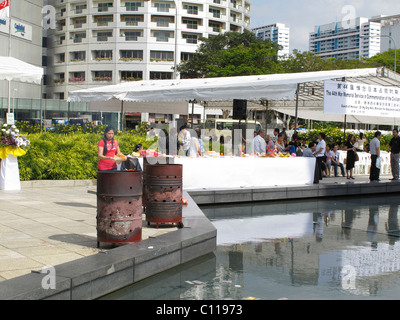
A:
[(211, 154), (119, 159)]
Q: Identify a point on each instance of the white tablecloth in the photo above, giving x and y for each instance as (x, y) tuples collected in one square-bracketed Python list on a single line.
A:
[(249, 172)]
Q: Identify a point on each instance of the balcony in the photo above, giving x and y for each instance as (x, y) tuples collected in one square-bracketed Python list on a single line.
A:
[(76, 80)]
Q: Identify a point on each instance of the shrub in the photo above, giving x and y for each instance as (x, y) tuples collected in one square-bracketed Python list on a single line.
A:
[(70, 156)]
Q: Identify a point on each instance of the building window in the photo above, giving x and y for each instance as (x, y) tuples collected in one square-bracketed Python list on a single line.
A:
[(132, 20), (162, 22), (79, 8), (60, 57), (191, 9), (103, 7), (156, 75), (216, 27), (162, 36), (103, 36), (102, 76), (78, 56), (162, 7), (131, 75), (215, 12), (103, 21), (77, 76), (161, 56), (78, 37), (132, 35), (103, 55), (187, 56), (190, 24), (132, 6), (79, 22), (131, 55), (190, 38)]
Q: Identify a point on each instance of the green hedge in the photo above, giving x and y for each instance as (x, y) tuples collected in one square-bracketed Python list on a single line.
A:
[(335, 136), (69, 156)]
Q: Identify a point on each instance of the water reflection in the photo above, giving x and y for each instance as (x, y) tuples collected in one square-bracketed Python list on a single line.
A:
[(334, 249)]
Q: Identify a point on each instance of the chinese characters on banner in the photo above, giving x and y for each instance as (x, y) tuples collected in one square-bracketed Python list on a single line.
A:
[(361, 99)]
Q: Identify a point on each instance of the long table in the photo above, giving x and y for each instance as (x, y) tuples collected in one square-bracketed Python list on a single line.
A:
[(249, 172)]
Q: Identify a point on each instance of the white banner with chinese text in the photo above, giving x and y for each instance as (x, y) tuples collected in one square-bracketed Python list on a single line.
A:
[(361, 99)]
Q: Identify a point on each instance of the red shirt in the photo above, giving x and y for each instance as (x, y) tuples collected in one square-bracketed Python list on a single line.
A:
[(112, 147)]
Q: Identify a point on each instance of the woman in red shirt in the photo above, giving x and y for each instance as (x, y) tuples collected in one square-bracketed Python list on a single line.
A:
[(107, 154)]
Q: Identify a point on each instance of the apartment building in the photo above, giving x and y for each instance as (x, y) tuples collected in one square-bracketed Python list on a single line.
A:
[(100, 42), (390, 31), (278, 33), (24, 43), (346, 39)]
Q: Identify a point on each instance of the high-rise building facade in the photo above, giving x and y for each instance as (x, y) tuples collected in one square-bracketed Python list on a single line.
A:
[(358, 38), (390, 31), (24, 43), (278, 33), (100, 42)]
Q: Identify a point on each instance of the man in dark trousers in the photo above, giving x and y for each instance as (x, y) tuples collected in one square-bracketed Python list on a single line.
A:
[(375, 150), (394, 148)]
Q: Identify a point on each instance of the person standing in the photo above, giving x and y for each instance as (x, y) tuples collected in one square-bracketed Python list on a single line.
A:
[(260, 146), (319, 154), (107, 149), (394, 148), (375, 150), (351, 156), (185, 138)]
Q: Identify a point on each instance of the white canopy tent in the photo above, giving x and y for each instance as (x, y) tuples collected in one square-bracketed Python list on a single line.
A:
[(271, 87), (12, 69), (278, 89), (311, 100)]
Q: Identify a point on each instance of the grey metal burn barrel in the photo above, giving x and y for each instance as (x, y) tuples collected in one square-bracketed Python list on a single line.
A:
[(119, 207), (163, 193)]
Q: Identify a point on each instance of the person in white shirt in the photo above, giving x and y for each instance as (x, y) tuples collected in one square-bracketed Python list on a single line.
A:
[(375, 150), (185, 138), (328, 162), (320, 153), (260, 146)]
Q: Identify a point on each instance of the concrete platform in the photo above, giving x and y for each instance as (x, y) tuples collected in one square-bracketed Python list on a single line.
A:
[(53, 223), (45, 226)]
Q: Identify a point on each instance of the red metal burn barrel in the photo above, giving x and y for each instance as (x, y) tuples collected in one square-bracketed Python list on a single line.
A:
[(119, 207), (163, 193)]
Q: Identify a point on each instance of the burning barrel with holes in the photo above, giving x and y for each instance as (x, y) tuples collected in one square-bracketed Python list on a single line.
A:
[(163, 193), (119, 207)]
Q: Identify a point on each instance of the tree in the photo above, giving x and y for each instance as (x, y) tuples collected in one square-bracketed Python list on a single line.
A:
[(385, 59), (232, 54), (307, 62)]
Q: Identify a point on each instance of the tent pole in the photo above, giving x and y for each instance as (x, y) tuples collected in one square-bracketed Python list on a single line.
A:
[(193, 101), (297, 108), (122, 116), (345, 125), (41, 105)]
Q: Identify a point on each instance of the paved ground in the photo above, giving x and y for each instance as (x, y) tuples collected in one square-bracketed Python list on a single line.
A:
[(50, 225)]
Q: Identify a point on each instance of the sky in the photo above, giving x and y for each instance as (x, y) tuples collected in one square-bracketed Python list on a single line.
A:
[(303, 15)]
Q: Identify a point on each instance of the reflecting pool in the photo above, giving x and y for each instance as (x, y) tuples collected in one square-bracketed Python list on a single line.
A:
[(341, 248)]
